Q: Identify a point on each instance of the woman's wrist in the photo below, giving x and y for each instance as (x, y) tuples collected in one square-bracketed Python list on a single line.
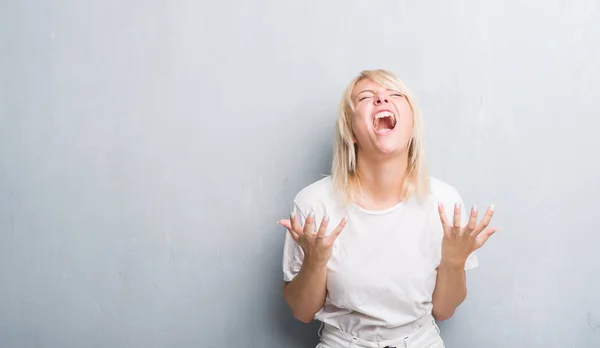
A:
[(458, 263), (313, 264)]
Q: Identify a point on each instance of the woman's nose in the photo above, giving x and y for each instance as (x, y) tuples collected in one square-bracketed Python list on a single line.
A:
[(380, 99)]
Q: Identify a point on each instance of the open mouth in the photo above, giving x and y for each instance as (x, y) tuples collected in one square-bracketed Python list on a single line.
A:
[(384, 121)]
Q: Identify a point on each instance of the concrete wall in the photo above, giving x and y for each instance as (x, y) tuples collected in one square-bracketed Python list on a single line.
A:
[(148, 147)]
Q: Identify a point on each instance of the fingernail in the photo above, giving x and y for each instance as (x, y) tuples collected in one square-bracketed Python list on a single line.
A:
[(292, 215), (312, 214), (492, 207), (326, 218), (474, 208), (456, 205)]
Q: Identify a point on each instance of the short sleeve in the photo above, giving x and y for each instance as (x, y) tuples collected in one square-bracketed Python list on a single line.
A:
[(293, 255)]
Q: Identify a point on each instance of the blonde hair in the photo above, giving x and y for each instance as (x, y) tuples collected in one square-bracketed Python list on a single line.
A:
[(344, 174)]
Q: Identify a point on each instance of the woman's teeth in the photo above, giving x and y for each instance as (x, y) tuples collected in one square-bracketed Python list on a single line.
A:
[(384, 120)]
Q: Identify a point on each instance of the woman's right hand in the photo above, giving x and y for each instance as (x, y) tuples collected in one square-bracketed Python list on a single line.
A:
[(317, 246)]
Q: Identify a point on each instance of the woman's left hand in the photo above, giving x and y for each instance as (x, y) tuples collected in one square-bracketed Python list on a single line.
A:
[(459, 243)]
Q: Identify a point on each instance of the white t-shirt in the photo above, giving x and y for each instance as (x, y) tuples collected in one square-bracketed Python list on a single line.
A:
[(383, 267)]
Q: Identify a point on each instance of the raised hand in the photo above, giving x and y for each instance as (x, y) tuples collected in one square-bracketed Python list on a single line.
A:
[(458, 243), (317, 245)]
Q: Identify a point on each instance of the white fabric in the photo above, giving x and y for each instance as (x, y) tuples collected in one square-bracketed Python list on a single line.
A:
[(383, 267), (423, 333)]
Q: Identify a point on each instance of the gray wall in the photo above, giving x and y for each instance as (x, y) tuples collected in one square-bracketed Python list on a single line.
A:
[(148, 147)]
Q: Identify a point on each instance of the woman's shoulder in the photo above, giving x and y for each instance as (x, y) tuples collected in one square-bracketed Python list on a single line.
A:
[(321, 191), (442, 191)]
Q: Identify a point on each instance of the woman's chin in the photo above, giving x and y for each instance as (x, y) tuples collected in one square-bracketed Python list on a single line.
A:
[(391, 149)]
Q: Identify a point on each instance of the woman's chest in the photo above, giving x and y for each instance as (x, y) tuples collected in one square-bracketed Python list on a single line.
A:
[(385, 256), (401, 240)]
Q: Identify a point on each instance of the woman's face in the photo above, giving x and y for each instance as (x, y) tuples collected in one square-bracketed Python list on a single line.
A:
[(382, 121)]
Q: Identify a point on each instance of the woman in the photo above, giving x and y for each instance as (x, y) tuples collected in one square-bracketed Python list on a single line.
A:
[(394, 259)]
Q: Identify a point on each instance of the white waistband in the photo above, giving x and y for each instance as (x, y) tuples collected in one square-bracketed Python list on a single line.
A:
[(337, 338)]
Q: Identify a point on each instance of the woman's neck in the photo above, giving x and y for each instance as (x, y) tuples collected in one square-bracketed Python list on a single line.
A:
[(381, 181)]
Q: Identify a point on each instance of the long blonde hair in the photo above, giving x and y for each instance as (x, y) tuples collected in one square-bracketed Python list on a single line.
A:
[(344, 174)]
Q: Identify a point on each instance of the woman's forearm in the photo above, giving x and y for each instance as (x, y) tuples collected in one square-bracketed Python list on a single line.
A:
[(305, 294), (450, 290)]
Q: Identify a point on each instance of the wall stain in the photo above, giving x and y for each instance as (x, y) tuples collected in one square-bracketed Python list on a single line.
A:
[(592, 323)]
